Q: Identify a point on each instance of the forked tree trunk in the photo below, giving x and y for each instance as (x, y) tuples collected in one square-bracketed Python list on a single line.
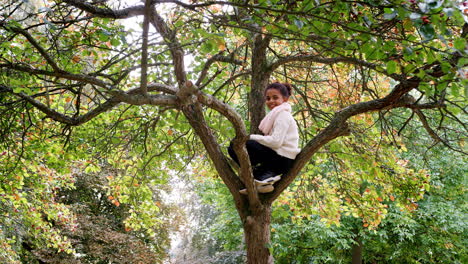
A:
[(257, 236)]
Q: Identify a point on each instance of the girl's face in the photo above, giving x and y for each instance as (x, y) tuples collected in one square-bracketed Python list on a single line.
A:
[(274, 98)]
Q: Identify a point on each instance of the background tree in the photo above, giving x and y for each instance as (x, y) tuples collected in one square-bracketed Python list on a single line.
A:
[(73, 61)]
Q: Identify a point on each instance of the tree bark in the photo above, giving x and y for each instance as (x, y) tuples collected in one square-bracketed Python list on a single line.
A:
[(357, 252), (259, 81), (257, 236)]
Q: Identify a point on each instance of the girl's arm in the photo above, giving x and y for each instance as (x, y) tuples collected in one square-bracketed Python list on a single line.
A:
[(280, 128)]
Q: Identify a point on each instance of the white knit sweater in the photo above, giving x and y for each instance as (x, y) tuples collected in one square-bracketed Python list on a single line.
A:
[(283, 138)]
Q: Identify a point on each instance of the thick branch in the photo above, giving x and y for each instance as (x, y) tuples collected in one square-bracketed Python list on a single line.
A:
[(190, 97), (238, 143), (144, 49), (176, 51), (226, 111), (107, 12), (130, 97), (195, 117), (161, 88), (141, 99)]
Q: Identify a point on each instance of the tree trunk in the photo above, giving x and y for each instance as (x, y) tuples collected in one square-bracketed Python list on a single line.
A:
[(357, 251), (257, 236), (259, 81), (257, 101)]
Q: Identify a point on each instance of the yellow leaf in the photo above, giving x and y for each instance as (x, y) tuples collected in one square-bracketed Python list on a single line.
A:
[(221, 46)]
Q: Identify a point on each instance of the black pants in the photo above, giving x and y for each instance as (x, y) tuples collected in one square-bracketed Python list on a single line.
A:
[(263, 158)]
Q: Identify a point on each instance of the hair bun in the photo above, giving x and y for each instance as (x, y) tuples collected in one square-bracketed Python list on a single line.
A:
[(284, 88), (289, 87)]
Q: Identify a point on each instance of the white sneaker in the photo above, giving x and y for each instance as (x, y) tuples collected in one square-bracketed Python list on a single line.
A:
[(261, 189), (268, 181)]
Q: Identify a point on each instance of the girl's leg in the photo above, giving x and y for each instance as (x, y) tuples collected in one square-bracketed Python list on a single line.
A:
[(258, 153), (281, 165), (276, 165)]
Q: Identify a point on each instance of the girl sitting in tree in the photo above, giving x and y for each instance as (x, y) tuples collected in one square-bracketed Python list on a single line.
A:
[(272, 153)]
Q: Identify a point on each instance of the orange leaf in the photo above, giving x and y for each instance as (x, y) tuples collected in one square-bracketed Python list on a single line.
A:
[(221, 47), (392, 198), (76, 59)]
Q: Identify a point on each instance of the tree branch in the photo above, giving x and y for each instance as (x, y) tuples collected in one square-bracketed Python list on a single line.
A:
[(144, 49), (155, 19), (194, 115), (426, 126), (320, 59), (176, 51), (141, 99), (217, 57), (59, 117), (34, 43), (190, 98), (85, 78), (130, 97), (107, 12)]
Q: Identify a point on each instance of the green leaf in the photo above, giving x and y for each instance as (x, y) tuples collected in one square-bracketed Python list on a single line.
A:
[(18, 90), (207, 47), (115, 42), (103, 37), (460, 44), (442, 85), (446, 67), (409, 68), (391, 67), (427, 30), (454, 90)]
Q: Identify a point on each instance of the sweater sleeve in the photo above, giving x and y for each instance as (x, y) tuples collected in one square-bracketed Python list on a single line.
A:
[(280, 128)]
